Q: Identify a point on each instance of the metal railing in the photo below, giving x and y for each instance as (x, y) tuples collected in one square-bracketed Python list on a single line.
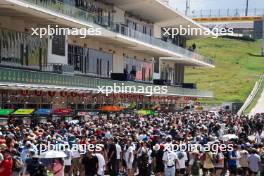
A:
[(214, 13), (86, 16), (46, 78)]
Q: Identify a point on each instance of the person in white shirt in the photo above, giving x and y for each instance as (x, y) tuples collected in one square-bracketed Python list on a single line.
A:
[(75, 161), (181, 162), (129, 158), (150, 160), (68, 161), (101, 163), (169, 158), (118, 154), (259, 135), (254, 163)]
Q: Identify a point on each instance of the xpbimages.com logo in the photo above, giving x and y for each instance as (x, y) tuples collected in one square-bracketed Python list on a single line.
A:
[(149, 90), (50, 31), (189, 147), (190, 31)]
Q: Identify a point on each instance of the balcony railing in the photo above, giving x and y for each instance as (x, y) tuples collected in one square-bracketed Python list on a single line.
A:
[(44, 78), (85, 16)]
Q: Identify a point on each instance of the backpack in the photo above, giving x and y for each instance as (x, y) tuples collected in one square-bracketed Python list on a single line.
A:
[(17, 164)]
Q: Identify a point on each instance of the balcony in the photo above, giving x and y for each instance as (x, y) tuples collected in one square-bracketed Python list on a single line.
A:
[(85, 16), (80, 83)]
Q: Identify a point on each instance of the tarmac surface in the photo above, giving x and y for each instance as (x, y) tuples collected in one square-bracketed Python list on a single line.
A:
[(259, 108)]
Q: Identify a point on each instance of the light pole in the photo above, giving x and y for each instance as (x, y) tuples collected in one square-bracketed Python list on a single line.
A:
[(262, 52), (188, 6), (247, 8)]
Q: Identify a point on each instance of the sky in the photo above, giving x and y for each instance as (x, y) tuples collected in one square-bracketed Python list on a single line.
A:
[(217, 4)]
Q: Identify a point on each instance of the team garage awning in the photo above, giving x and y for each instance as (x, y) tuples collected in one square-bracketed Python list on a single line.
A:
[(6, 112), (43, 112), (23, 112)]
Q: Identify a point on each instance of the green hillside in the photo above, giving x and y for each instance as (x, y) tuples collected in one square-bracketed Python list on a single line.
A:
[(238, 65)]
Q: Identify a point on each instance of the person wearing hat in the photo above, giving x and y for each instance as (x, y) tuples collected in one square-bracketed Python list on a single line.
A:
[(142, 156), (169, 159), (195, 163), (158, 162)]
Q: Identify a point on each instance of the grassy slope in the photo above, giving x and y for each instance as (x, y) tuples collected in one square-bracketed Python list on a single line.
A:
[(238, 66)]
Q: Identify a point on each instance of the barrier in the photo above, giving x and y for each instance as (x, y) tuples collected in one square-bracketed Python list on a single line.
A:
[(252, 95)]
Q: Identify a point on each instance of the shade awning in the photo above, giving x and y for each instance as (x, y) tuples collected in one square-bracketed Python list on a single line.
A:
[(112, 108), (23, 112), (5, 112), (43, 112), (146, 112), (62, 111)]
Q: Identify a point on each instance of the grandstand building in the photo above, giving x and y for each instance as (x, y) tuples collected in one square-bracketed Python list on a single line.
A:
[(63, 71)]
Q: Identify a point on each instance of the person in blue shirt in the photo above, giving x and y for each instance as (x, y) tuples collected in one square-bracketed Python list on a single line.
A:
[(233, 161)]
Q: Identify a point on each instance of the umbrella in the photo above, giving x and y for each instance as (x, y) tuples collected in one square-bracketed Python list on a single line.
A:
[(228, 137), (53, 154), (112, 108)]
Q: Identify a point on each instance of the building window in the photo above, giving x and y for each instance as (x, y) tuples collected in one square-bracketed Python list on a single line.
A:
[(58, 45), (76, 57)]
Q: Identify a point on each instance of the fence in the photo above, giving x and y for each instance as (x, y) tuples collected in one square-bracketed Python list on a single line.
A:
[(225, 13)]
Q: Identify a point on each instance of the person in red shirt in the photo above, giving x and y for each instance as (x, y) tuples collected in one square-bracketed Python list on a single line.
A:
[(6, 165)]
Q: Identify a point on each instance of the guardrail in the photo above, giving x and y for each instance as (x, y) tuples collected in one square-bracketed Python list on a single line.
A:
[(86, 16), (46, 78), (252, 95)]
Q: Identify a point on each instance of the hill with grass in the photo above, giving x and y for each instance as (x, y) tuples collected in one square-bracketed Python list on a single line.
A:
[(238, 66)]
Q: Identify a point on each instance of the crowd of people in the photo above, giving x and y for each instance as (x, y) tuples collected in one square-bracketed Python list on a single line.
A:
[(221, 144)]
